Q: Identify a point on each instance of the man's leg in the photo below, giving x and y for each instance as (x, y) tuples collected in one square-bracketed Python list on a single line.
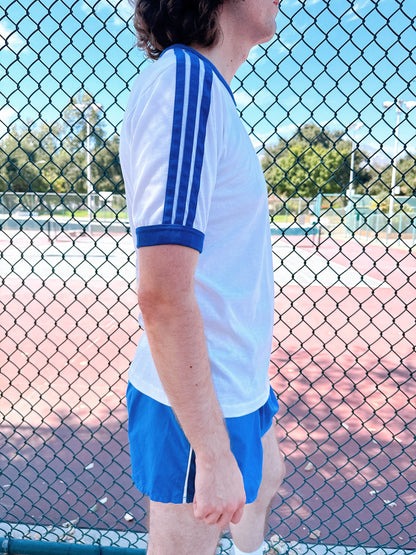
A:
[(248, 534), (174, 530)]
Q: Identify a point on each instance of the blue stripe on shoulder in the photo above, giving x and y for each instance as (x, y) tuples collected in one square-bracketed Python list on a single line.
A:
[(176, 136), (188, 138), (200, 145), (188, 147)]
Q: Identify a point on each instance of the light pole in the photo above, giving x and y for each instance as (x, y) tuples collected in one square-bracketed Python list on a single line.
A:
[(87, 108), (354, 127), (399, 103), (349, 212)]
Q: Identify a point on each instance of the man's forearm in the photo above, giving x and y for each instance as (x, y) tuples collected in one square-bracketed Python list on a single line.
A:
[(177, 341), (175, 332)]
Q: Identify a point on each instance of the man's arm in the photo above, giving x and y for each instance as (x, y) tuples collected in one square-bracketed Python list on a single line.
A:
[(175, 332)]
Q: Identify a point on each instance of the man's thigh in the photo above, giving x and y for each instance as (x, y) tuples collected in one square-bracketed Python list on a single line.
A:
[(174, 529)]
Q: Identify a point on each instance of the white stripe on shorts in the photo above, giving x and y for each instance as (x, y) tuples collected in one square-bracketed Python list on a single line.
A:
[(185, 489)]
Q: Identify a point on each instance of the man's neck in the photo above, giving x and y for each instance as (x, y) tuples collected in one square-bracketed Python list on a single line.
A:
[(231, 49), (225, 59)]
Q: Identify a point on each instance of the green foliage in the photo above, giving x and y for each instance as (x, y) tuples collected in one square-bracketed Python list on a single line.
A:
[(405, 176), (19, 162), (43, 157), (313, 160), (307, 170)]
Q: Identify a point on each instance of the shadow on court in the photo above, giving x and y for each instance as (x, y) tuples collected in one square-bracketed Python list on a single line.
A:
[(343, 364)]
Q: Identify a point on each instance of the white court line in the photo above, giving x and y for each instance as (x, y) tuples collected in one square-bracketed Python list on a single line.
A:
[(103, 258), (86, 260), (297, 265)]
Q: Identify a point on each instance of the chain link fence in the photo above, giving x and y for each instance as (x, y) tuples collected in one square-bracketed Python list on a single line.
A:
[(330, 108)]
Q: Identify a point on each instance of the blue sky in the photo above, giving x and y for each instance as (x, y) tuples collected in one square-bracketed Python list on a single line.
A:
[(332, 62)]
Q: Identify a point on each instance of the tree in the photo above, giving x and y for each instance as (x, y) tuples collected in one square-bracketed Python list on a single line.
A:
[(108, 166), (40, 156), (405, 175), (77, 123), (307, 171), (313, 160), (20, 153), (312, 135)]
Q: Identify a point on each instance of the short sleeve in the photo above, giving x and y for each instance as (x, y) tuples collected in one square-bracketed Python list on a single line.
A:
[(172, 142)]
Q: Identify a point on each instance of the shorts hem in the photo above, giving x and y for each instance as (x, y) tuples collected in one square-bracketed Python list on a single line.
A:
[(156, 497), (176, 501)]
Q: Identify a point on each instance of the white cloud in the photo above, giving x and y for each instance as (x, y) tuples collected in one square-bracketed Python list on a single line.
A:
[(351, 16), (255, 53), (122, 10), (361, 4), (291, 3), (389, 151), (411, 149), (383, 153), (260, 139), (358, 6), (284, 46), (9, 37), (7, 114), (118, 21), (242, 98), (285, 130)]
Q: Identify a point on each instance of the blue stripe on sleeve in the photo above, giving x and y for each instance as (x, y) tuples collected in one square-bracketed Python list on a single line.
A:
[(189, 141), (187, 147), (176, 136), (148, 236), (200, 147)]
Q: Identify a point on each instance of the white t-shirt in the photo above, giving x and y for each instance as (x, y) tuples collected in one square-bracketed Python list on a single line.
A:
[(192, 178)]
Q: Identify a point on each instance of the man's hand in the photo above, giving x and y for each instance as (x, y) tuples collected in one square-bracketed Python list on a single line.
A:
[(219, 490)]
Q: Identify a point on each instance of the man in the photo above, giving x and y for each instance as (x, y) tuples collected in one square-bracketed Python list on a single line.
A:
[(202, 441)]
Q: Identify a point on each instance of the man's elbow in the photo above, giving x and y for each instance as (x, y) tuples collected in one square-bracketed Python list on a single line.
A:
[(166, 280), (150, 301), (159, 303)]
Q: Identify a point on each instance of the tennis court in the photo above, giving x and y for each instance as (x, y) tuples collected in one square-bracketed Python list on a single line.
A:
[(342, 364), (345, 358)]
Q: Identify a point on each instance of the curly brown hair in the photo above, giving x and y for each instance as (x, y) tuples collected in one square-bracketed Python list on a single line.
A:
[(161, 23)]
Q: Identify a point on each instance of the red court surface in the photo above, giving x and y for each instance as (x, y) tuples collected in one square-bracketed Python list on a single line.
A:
[(343, 364)]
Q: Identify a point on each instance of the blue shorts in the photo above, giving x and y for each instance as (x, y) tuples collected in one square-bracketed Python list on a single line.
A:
[(163, 463)]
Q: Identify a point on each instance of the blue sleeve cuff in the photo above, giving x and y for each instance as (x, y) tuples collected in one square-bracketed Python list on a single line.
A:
[(148, 236)]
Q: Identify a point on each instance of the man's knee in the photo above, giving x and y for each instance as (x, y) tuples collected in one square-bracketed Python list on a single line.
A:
[(273, 463), (279, 470)]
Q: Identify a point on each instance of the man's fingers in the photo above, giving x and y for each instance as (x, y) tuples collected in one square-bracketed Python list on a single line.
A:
[(230, 516), (206, 513), (219, 517), (238, 515)]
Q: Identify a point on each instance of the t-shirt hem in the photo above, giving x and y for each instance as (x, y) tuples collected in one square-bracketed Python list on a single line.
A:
[(229, 410)]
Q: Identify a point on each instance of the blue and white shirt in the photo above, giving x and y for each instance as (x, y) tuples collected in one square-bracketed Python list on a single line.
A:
[(192, 178)]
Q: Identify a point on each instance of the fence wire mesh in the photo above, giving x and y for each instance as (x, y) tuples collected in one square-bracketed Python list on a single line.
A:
[(330, 107)]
